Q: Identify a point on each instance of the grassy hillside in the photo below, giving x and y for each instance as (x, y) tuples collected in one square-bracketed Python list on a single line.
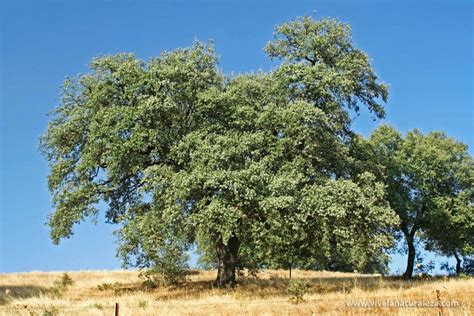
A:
[(96, 292)]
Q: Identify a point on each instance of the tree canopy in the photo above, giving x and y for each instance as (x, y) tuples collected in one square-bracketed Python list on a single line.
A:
[(430, 180), (256, 169)]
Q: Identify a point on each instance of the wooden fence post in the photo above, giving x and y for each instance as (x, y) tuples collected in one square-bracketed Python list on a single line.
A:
[(440, 303), (116, 309)]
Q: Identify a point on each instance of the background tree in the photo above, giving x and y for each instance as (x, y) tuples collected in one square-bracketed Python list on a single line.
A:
[(451, 230), (429, 182), (183, 155)]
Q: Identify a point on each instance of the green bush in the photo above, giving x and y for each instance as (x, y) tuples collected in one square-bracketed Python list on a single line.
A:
[(98, 306), (149, 282), (166, 275), (64, 282), (105, 286), (61, 285), (297, 289), (52, 311)]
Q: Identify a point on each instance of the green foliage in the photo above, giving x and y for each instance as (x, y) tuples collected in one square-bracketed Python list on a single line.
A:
[(51, 311), (429, 182), (61, 285), (297, 289), (182, 154), (105, 286), (171, 272), (65, 280), (118, 289), (98, 306), (339, 219), (450, 231), (142, 303), (321, 59), (161, 261)]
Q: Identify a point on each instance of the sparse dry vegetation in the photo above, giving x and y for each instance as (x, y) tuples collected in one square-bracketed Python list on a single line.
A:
[(96, 292)]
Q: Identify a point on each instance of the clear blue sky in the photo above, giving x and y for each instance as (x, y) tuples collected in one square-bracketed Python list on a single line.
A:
[(423, 49)]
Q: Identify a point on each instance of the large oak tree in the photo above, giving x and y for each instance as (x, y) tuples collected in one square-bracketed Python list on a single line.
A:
[(182, 154)]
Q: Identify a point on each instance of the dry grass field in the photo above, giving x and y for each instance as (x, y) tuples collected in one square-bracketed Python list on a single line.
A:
[(96, 292)]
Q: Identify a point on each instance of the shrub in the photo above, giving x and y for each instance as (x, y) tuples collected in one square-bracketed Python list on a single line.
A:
[(64, 281), (61, 285), (164, 275), (98, 306), (297, 289), (52, 311), (165, 263), (118, 289), (105, 286), (142, 304)]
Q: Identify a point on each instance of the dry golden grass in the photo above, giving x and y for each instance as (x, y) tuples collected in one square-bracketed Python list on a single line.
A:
[(329, 293)]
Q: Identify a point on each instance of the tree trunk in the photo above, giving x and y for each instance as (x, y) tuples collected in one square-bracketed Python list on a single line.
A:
[(227, 254), (458, 264), (411, 256), (289, 270)]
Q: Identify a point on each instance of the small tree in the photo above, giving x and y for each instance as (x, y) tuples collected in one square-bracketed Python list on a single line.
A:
[(451, 230), (297, 290), (429, 181)]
